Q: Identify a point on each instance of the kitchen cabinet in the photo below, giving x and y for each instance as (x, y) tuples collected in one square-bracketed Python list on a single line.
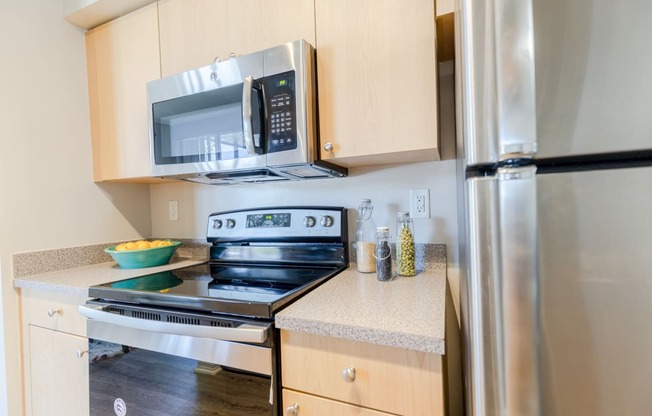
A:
[(377, 79), (55, 360), (326, 375), (195, 32), (122, 56)]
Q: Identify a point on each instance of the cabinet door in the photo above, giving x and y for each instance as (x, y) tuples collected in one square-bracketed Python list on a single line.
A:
[(122, 56), (195, 32), (312, 405), (59, 378), (374, 376), (377, 76)]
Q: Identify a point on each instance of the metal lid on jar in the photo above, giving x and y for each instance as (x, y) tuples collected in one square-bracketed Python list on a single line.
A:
[(382, 228), (403, 215)]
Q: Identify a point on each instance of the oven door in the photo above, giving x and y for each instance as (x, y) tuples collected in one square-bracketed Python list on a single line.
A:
[(210, 119), (151, 367)]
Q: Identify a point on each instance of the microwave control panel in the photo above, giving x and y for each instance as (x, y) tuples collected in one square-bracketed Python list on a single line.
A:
[(281, 105)]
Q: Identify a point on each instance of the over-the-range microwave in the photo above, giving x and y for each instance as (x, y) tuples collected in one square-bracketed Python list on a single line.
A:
[(251, 118)]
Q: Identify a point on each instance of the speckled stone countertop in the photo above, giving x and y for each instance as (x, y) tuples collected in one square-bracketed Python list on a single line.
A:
[(76, 281), (407, 312)]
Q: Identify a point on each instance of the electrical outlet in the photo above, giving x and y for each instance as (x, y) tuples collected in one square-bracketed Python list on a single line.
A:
[(420, 203), (173, 210)]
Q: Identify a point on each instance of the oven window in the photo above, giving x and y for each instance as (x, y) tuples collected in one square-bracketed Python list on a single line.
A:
[(133, 381)]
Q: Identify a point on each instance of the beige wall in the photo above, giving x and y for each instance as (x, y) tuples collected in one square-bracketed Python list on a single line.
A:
[(47, 197)]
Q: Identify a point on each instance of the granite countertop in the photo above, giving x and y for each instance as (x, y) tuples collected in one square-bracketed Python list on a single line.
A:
[(76, 281), (407, 312)]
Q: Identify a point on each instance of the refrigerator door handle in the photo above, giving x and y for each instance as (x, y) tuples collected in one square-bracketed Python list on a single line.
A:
[(497, 80), (517, 201), (515, 79), (501, 323)]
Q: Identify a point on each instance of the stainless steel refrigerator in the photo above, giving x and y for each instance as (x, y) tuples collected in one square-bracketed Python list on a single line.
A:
[(555, 148)]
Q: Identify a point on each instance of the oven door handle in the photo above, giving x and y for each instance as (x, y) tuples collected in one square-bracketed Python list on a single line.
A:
[(243, 333)]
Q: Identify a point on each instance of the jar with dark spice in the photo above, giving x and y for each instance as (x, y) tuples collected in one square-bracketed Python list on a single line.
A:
[(383, 255), (405, 255)]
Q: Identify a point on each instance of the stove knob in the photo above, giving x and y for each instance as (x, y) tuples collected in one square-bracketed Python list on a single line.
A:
[(309, 221), (326, 221), (230, 223), (217, 224)]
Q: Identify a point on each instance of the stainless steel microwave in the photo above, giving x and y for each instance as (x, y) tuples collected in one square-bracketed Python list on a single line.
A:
[(251, 118)]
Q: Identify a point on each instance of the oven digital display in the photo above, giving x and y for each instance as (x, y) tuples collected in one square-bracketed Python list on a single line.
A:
[(268, 220)]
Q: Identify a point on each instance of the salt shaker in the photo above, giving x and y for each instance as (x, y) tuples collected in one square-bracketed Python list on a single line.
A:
[(405, 245), (383, 255)]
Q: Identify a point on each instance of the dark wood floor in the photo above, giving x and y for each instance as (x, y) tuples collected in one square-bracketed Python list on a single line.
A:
[(154, 384)]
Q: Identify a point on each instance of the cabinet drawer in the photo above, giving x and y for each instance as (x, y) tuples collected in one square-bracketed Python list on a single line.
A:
[(55, 311), (318, 406), (389, 379)]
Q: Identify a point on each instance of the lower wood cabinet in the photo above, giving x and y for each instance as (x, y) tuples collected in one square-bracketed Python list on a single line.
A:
[(353, 377), (58, 373), (55, 359), (296, 403)]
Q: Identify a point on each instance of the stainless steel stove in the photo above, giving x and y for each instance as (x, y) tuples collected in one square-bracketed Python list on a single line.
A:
[(219, 314)]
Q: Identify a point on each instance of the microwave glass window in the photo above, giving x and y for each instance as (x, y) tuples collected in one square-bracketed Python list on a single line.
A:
[(210, 133), (202, 127)]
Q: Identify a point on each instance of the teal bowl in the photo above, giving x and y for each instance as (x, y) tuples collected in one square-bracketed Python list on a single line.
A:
[(148, 257)]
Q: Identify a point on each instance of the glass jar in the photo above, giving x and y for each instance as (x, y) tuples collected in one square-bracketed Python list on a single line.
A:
[(365, 245), (405, 254), (383, 255)]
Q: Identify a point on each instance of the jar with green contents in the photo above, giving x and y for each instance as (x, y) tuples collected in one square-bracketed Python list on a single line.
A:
[(405, 254)]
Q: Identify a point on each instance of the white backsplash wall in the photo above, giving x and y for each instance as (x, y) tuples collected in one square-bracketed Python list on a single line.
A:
[(388, 187)]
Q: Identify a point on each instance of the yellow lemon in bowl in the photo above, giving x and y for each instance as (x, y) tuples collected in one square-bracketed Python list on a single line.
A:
[(141, 245)]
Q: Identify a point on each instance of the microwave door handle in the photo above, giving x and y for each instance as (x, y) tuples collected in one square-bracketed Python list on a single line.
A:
[(247, 122)]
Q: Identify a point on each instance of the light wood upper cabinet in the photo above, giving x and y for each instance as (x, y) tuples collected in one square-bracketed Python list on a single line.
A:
[(377, 80), (122, 56), (194, 32)]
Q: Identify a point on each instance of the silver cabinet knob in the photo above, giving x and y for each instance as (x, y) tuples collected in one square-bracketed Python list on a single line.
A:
[(80, 353), (328, 147), (292, 410), (348, 374), (52, 312)]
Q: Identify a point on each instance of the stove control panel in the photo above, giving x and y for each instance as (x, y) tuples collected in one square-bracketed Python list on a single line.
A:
[(278, 223)]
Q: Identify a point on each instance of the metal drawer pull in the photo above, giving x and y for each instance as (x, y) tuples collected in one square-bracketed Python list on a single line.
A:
[(52, 312), (80, 353), (349, 374), (292, 410)]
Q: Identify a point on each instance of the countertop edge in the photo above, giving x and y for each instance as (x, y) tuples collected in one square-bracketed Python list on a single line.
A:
[(361, 334)]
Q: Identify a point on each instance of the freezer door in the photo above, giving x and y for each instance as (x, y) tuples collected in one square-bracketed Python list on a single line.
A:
[(595, 268), (497, 80), (593, 66), (501, 319)]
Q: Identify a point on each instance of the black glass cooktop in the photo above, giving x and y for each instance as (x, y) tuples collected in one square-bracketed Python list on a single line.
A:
[(247, 290)]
